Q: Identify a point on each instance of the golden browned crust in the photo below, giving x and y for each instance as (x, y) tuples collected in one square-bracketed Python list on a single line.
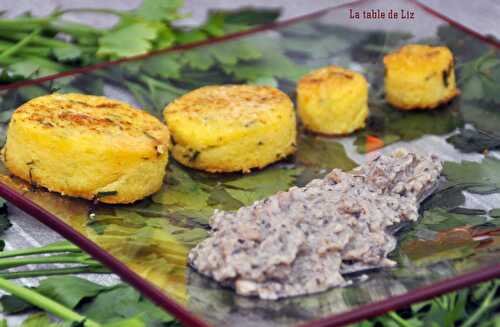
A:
[(326, 74), (98, 114)]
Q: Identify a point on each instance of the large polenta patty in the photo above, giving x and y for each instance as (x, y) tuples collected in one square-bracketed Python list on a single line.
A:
[(87, 146), (232, 127)]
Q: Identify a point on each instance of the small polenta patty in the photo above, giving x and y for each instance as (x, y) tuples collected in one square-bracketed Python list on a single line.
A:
[(87, 146), (419, 77), (333, 100), (231, 127)]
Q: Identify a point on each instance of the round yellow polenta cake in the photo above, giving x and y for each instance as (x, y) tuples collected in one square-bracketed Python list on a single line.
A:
[(232, 127), (333, 100), (419, 77), (87, 146)]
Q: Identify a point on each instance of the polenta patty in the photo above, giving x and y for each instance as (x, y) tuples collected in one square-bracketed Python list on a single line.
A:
[(87, 146), (419, 77), (333, 100), (232, 127)]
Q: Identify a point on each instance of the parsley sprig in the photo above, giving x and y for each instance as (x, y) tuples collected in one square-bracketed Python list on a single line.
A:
[(33, 47)]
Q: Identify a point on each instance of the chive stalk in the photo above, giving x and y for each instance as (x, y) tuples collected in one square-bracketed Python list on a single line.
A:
[(19, 45), (51, 248), (45, 303), (96, 11), (78, 259), (74, 29), (488, 303), (23, 24), (54, 272), (26, 50), (39, 40), (400, 321)]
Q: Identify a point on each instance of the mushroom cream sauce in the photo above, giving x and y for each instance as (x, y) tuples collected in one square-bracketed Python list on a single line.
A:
[(301, 241)]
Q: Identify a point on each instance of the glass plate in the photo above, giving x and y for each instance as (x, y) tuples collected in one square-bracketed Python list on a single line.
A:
[(455, 243)]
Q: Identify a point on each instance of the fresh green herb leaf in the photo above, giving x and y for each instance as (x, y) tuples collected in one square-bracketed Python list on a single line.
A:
[(313, 46), (182, 193), (181, 190), (472, 140), (165, 11), (116, 43), (230, 53), (483, 116), (439, 219), (28, 69), (69, 290), (486, 172), (445, 198), (67, 54), (11, 304), (214, 26), (322, 152), (88, 84), (373, 45), (198, 60), (271, 64), (222, 199), (165, 66), (318, 156), (109, 306), (226, 54), (463, 45), (480, 78), (259, 185), (165, 37), (242, 19), (122, 302), (190, 36), (494, 213)]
